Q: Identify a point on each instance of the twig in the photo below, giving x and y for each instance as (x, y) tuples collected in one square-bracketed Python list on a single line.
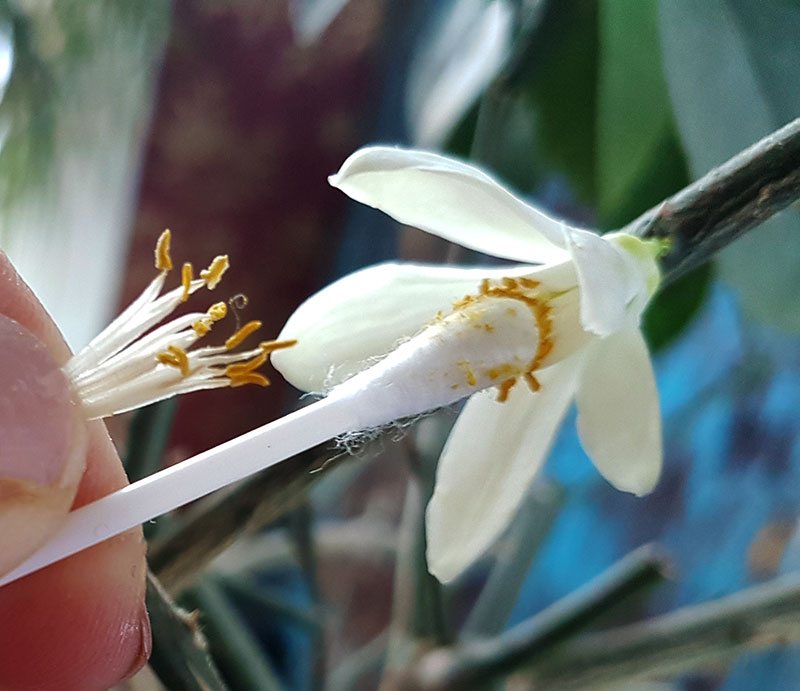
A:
[(180, 656), (214, 524), (468, 665), (238, 652), (713, 632), (366, 659), (725, 203)]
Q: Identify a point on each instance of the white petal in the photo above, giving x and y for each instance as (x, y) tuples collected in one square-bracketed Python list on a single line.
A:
[(453, 200), (610, 282), (619, 422), (365, 314), (493, 454)]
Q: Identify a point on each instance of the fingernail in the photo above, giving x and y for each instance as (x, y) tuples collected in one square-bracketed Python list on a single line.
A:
[(42, 442)]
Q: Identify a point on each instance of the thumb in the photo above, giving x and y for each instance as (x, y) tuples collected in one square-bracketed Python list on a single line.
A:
[(43, 441)]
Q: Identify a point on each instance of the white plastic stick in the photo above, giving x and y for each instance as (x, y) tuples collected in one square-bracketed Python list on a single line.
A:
[(193, 478), (421, 374)]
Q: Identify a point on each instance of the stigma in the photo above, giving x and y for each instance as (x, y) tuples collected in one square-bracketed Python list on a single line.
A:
[(134, 362)]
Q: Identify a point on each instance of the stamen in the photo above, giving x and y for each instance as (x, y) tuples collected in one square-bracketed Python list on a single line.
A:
[(213, 273), (217, 311), (187, 274), (119, 370), (245, 367), (532, 382), (163, 260), (271, 346), (175, 356), (242, 333), (504, 389), (249, 378)]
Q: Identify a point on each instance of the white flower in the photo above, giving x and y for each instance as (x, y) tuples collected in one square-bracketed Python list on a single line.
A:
[(568, 329), (125, 367)]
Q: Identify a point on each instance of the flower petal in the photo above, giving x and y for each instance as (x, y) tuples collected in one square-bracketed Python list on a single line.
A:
[(453, 200), (365, 314), (493, 454), (608, 283), (619, 421)]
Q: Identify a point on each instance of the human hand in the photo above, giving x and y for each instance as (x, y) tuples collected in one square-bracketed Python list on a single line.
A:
[(80, 623)]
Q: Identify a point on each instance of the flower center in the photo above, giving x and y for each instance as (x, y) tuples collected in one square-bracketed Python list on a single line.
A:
[(523, 290)]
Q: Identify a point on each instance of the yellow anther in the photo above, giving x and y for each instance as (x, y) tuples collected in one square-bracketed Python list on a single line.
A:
[(187, 274), (504, 389), (245, 367), (163, 260), (271, 346), (202, 326), (242, 333), (213, 273), (249, 378), (532, 382), (175, 356), (528, 283), (217, 311)]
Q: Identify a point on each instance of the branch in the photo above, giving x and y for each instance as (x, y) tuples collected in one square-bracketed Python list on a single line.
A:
[(214, 524), (725, 203), (468, 665), (713, 632)]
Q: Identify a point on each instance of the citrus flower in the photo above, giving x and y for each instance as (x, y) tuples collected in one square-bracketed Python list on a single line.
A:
[(522, 340), (128, 365)]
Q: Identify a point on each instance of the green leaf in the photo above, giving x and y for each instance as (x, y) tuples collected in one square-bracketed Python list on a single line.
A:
[(732, 67), (561, 75), (633, 111)]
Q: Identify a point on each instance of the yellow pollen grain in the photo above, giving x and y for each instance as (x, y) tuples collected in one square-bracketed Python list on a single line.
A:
[(242, 333), (217, 311), (174, 356), (468, 373), (213, 274), (163, 260), (187, 274)]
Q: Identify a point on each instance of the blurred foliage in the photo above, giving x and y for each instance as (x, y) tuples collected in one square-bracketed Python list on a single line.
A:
[(733, 70), (55, 50)]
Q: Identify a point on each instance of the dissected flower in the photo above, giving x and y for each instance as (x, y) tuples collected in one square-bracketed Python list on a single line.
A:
[(525, 340), (128, 365)]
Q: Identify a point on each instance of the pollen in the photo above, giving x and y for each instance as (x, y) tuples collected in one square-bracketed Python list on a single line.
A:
[(163, 260), (523, 290), (187, 274), (242, 334), (213, 273)]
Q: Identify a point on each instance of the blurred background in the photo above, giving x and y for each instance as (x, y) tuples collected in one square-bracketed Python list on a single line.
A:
[(222, 119)]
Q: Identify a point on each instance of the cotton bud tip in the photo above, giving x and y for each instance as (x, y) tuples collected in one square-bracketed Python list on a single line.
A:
[(486, 341)]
